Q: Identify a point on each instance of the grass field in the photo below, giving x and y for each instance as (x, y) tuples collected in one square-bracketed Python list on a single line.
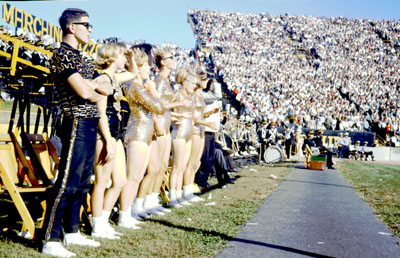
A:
[(200, 230), (379, 186)]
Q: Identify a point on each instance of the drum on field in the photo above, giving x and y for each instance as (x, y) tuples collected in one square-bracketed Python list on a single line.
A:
[(273, 154)]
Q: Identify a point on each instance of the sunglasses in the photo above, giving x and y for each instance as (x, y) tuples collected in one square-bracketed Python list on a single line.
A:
[(86, 24)]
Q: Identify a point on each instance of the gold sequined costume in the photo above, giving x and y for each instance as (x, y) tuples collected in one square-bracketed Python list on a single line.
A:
[(167, 96), (184, 129), (142, 105), (198, 113)]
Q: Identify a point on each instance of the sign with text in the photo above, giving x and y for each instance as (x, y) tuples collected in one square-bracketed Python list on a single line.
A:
[(28, 22)]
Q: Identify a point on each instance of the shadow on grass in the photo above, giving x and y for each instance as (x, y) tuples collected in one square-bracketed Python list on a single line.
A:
[(11, 235), (289, 164), (240, 240), (217, 186)]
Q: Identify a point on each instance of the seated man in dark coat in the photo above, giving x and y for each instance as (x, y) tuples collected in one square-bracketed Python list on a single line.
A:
[(317, 142)]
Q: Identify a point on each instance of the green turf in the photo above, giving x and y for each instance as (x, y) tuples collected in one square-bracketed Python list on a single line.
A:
[(379, 185), (196, 231)]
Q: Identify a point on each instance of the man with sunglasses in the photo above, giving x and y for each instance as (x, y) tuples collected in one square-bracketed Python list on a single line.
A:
[(77, 95)]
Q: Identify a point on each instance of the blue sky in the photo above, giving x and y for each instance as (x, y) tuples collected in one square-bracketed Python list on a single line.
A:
[(158, 21)]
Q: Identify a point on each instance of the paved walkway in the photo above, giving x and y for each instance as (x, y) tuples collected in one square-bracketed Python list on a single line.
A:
[(314, 214)]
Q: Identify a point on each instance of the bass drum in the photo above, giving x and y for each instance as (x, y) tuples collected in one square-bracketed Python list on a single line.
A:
[(273, 154)]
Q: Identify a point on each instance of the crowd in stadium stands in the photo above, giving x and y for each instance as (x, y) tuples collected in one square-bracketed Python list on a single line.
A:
[(329, 73)]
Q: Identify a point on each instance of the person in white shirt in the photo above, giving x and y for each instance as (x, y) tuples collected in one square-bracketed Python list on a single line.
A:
[(208, 157), (345, 145), (365, 153), (339, 143)]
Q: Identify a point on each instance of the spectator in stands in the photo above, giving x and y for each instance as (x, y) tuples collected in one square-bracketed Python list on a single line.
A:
[(277, 64)]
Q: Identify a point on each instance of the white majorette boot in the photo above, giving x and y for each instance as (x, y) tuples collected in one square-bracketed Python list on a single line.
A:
[(150, 207), (180, 199), (138, 210), (126, 221), (56, 249), (106, 215), (79, 239), (190, 196), (173, 202), (158, 205), (101, 230)]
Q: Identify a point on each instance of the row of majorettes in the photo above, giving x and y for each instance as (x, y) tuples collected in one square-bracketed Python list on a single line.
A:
[(138, 116)]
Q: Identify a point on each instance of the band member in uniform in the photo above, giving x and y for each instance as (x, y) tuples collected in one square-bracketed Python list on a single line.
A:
[(144, 102), (78, 96), (272, 135), (197, 139), (166, 62), (246, 139), (289, 134), (111, 58), (182, 135), (317, 142), (309, 141), (144, 203), (262, 136)]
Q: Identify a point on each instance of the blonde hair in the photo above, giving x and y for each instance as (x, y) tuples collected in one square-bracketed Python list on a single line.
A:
[(160, 55), (183, 74), (108, 53), (141, 57)]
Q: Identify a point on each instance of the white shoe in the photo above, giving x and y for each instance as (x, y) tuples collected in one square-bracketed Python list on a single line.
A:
[(174, 204), (140, 214), (183, 202), (103, 233), (129, 223), (79, 239), (155, 211), (162, 209), (195, 198), (56, 249), (137, 219), (111, 230)]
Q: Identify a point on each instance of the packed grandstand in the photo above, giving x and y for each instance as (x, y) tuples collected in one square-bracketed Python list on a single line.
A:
[(329, 73)]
